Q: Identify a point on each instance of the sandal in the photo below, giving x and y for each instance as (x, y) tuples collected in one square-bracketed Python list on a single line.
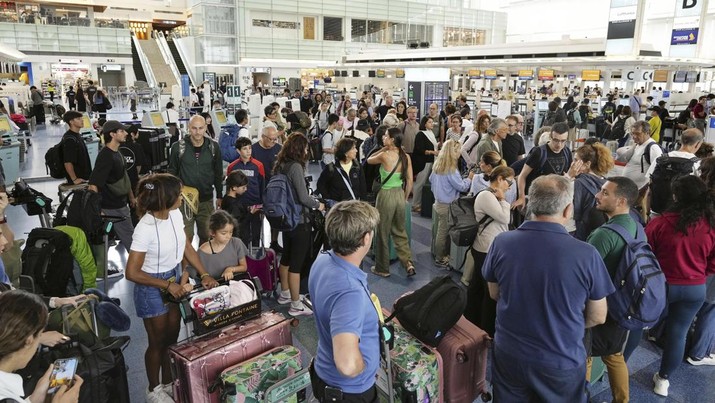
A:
[(377, 273), (411, 270)]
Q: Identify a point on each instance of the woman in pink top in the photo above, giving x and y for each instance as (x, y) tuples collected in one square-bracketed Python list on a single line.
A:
[(683, 239)]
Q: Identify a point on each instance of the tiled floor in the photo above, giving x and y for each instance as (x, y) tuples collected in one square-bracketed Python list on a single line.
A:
[(688, 384)]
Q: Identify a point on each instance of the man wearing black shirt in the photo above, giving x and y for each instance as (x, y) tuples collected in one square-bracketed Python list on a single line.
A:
[(382, 109), (109, 178), (70, 94), (558, 161), (513, 144), (74, 151)]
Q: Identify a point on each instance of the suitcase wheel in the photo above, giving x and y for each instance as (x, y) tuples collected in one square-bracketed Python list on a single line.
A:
[(486, 396)]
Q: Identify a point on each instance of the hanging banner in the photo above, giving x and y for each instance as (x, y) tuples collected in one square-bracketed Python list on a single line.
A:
[(546, 75), (475, 74), (526, 74), (684, 36), (660, 76), (591, 75), (490, 74)]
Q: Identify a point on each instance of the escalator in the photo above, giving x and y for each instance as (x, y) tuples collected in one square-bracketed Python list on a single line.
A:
[(158, 64), (177, 57), (137, 64)]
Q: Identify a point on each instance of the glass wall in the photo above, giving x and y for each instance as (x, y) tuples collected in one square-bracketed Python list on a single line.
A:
[(49, 38)]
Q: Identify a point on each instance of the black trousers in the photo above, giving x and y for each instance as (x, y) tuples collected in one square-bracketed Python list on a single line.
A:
[(369, 396)]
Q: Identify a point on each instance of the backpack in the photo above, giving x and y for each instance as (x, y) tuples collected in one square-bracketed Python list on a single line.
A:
[(431, 311), (279, 205), (646, 154), (462, 223), (667, 168), (570, 119), (227, 143), (84, 210), (54, 160), (182, 147), (640, 296), (618, 130), (47, 259)]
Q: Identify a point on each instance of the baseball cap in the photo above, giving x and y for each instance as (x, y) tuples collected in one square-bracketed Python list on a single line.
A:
[(362, 125), (654, 108), (113, 126), (71, 115)]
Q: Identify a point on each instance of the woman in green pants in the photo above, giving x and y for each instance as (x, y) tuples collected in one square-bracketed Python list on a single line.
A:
[(396, 179)]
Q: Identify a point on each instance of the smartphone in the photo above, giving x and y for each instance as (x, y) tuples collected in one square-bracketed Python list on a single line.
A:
[(62, 373)]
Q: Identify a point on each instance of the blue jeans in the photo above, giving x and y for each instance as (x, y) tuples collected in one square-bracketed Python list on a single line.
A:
[(515, 380), (704, 334), (683, 303), (148, 301)]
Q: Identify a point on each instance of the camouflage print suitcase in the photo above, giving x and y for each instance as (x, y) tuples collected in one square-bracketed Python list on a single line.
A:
[(416, 370), (249, 381)]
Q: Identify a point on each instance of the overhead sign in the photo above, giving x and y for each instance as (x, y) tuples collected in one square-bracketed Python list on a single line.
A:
[(526, 74), (490, 74), (233, 94), (380, 73), (591, 75), (111, 67), (622, 20), (400, 73), (414, 93), (660, 76), (636, 75), (684, 36), (572, 76), (546, 74), (475, 74), (688, 8)]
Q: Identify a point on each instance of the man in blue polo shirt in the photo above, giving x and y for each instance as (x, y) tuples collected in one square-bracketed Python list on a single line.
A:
[(547, 293), (348, 353)]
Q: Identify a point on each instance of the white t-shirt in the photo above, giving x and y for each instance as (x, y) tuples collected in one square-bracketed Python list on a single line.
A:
[(11, 387), (328, 141), (243, 132), (163, 241), (633, 167)]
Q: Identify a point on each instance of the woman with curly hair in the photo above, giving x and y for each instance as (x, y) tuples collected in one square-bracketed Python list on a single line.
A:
[(591, 163), (291, 161), (683, 240)]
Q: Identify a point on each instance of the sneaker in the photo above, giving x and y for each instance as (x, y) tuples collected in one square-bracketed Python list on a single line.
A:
[(301, 310), (168, 389), (444, 262), (276, 248), (283, 300), (709, 360), (158, 395), (661, 385)]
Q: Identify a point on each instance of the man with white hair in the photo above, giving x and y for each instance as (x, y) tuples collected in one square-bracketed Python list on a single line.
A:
[(538, 347)]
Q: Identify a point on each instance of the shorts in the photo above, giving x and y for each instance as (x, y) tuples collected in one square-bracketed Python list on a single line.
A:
[(296, 246), (148, 301)]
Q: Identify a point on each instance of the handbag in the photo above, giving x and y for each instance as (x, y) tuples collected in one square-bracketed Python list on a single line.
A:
[(377, 184), (120, 187), (80, 322), (211, 301), (107, 104), (242, 292)]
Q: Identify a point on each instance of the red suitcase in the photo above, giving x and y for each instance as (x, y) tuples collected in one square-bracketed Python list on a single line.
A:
[(464, 356), (196, 363)]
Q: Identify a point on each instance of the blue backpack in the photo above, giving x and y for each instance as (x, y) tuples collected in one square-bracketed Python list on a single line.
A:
[(279, 205), (640, 296), (227, 142)]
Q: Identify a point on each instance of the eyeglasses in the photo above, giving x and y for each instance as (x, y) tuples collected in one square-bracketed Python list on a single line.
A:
[(511, 125), (272, 140), (509, 181)]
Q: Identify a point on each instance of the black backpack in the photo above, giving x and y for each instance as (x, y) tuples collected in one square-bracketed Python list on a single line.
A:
[(463, 225), (618, 130), (667, 168), (430, 311), (84, 210), (570, 119), (54, 160), (47, 259)]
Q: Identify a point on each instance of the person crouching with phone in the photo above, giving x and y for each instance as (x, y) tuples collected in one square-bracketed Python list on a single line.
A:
[(23, 317)]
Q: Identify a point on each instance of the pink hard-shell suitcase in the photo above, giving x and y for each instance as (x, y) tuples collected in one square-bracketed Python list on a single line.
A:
[(464, 356), (196, 363)]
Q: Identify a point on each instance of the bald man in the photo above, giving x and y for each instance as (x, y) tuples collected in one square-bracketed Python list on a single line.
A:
[(196, 160)]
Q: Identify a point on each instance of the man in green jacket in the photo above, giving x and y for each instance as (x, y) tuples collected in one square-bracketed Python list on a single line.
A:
[(196, 160), (615, 199)]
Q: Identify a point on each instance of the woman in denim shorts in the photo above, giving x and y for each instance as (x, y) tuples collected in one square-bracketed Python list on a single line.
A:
[(154, 265)]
